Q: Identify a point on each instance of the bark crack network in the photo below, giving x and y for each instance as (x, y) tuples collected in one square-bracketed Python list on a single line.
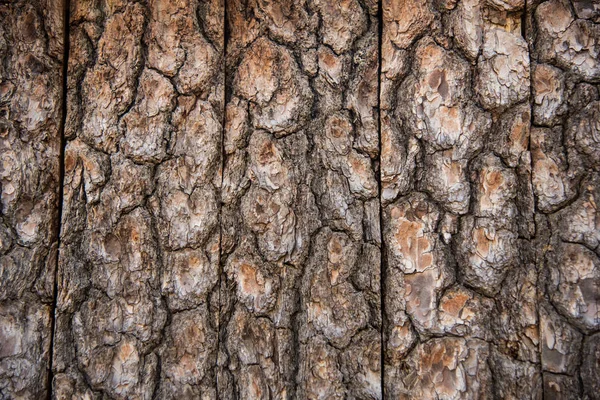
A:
[(226, 176)]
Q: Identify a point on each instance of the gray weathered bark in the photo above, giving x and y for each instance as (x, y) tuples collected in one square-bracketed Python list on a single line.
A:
[(31, 51), (301, 199)]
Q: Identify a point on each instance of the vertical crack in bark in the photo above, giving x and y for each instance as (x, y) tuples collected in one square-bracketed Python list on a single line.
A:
[(382, 258), (61, 168), (527, 34), (223, 155)]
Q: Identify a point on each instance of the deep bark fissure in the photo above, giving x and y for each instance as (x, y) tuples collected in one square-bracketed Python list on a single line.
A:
[(527, 34), (61, 179), (223, 155), (382, 258)]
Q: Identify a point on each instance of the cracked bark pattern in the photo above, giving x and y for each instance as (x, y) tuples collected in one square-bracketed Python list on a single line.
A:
[(461, 312), (301, 199), (31, 50), (489, 179), (301, 243), (138, 270), (565, 149)]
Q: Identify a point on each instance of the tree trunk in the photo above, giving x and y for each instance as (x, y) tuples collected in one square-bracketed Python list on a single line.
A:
[(137, 313), (309, 199)]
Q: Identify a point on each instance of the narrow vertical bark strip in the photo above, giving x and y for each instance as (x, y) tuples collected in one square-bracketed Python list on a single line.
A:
[(461, 315), (565, 150), (301, 239), (61, 173), (138, 269), (382, 258), (31, 52)]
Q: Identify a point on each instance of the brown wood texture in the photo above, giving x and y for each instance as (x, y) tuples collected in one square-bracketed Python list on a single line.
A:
[(489, 199), (300, 292), (309, 199), (137, 311), (31, 96)]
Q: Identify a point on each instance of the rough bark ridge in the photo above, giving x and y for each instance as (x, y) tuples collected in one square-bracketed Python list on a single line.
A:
[(461, 307), (565, 153), (138, 268), (301, 245), (31, 51), (300, 199), (489, 184)]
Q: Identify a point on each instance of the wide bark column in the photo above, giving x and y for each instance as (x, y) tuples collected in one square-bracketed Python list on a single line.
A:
[(461, 315), (565, 150), (31, 52), (300, 295), (138, 269)]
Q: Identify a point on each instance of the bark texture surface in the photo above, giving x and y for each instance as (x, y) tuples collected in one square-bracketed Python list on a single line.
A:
[(565, 153), (300, 299), (490, 221), (272, 199), (460, 296), (31, 51), (137, 309)]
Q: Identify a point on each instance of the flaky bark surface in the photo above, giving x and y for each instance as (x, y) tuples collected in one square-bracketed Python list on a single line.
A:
[(565, 150), (31, 51), (301, 245), (489, 199), (138, 305), (309, 199), (461, 307)]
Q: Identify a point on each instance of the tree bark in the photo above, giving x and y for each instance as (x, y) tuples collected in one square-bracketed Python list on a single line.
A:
[(492, 278), (31, 51), (311, 199), (565, 167), (137, 313), (301, 244), (461, 303)]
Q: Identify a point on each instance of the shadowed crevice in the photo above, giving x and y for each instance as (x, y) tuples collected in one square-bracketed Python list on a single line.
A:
[(382, 261), (61, 178), (223, 155)]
